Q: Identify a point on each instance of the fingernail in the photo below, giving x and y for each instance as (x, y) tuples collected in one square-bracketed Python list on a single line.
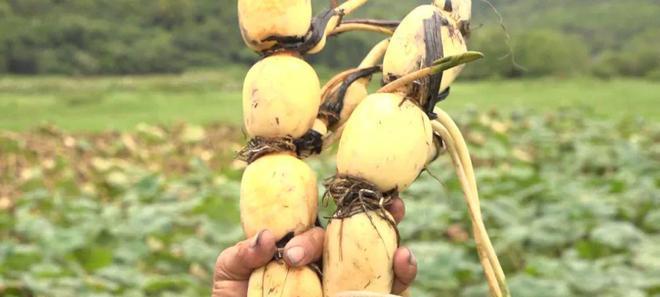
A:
[(295, 254), (257, 238), (411, 258)]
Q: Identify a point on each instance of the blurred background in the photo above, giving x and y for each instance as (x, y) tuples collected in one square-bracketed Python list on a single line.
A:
[(120, 120)]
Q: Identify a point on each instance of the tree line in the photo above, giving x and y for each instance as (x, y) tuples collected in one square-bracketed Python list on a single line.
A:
[(90, 37)]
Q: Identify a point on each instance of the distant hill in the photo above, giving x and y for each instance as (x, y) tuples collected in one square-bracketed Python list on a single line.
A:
[(608, 37), (603, 24), (127, 36)]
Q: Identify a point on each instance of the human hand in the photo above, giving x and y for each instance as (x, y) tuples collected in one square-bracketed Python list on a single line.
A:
[(235, 264)]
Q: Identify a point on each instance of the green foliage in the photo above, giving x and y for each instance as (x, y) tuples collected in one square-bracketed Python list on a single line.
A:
[(87, 37), (565, 200), (570, 203), (497, 61), (200, 97), (111, 223), (550, 53), (643, 52), (607, 65), (3, 63), (639, 57), (602, 28), (162, 36), (600, 24), (534, 53)]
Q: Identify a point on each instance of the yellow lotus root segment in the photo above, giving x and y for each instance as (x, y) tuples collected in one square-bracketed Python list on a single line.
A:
[(386, 141), (281, 97), (278, 193), (407, 51), (261, 19), (278, 280), (357, 256)]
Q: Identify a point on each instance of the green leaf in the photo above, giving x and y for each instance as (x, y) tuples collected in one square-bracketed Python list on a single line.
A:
[(94, 257), (617, 235), (161, 284), (20, 258)]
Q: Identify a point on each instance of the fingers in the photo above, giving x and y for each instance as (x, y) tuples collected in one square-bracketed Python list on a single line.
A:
[(397, 209), (405, 270), (237, 263), (305, 248), (405, 263)]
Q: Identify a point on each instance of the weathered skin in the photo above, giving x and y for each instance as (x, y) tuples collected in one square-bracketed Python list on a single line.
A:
[(386, 141), (278, 280), (407, 51), (281, 97), (259, 19), (460, 10), (278, 193), (358, 256)]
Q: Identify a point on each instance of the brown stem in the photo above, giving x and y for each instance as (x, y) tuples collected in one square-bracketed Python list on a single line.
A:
[(343, 28), (375, 22), (332, 83)]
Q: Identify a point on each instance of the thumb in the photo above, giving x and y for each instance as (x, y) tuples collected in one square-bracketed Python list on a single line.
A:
[(237, 263)]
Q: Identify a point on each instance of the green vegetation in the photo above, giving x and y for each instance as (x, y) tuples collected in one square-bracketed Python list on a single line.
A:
[(605, 37), (571, 203), (119, 103), (92, 104), (127, 185)]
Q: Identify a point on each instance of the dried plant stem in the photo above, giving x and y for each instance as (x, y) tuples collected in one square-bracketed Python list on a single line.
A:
[(464, 154), (334, 81), (343, 28), (458, 150), (373, 58), (349, 6), (375, 55), (342, 10), (460, 172), (333, 137)]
